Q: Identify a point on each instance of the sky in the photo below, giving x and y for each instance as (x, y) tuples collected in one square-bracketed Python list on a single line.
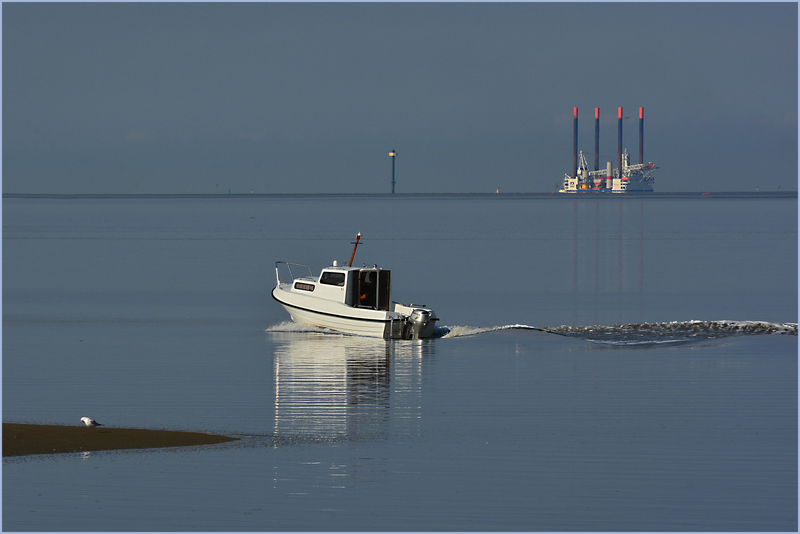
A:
[(173, 98)]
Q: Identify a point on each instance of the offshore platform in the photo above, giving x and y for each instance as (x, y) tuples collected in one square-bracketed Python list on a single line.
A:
[(624, 178)]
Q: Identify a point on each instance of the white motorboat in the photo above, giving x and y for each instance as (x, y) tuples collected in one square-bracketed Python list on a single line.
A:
[(353, 300)]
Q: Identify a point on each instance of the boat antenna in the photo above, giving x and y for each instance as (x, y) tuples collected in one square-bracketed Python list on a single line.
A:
[(355, 246)]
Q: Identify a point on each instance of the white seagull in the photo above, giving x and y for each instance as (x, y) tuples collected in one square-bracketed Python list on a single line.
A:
[(91, 423)]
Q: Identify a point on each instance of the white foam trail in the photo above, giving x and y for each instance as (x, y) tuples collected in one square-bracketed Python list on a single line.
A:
[(459, 331)]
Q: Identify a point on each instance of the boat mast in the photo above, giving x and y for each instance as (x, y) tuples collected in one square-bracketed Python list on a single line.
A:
[(355, 246)]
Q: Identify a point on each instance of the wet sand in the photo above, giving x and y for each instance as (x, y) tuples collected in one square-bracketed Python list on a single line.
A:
[(20, 439)]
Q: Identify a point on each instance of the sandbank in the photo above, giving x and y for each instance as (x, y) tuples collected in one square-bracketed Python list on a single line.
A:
[(24, 439)]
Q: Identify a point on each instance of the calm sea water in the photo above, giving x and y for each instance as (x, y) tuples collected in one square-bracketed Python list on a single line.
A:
[(663, 396)]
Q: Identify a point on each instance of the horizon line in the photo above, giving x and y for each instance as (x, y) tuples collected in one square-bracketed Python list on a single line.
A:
[(588, 194)]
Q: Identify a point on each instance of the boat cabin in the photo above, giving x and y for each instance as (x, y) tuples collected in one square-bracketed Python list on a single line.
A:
[(366, 287)]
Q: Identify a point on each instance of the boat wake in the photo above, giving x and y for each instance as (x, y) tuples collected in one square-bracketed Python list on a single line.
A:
[(460, 331), (636, 334), (643, 333)]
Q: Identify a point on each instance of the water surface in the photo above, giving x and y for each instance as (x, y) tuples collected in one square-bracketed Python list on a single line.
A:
[(605, 364)]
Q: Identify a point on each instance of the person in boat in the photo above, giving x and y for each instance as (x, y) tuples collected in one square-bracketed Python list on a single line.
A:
[(367, 290)]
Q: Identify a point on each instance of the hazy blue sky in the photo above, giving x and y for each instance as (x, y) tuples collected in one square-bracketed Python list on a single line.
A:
[(301, 97)]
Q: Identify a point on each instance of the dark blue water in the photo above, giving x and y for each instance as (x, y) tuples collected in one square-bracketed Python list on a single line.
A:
[(605, 364)]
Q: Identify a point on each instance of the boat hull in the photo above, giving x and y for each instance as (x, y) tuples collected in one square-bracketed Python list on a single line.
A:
[(358, 321)]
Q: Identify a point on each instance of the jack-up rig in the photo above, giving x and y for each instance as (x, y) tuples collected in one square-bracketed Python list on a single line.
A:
[(632, 178)]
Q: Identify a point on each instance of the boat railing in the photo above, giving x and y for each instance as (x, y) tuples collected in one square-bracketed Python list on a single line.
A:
[(289, 266)]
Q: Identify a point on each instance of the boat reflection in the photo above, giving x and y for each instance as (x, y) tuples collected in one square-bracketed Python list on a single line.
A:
[(330, 385)]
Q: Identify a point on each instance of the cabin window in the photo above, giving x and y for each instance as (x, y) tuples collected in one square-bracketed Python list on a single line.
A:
[(332, 279), (304, 286)]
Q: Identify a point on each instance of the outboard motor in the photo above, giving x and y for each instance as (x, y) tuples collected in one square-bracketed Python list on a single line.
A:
[(419, 322)]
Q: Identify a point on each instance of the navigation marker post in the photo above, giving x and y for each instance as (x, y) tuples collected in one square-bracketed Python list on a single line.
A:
[(393, 154)]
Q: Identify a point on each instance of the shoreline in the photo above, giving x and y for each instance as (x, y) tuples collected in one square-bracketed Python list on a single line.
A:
[(26, 439)]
